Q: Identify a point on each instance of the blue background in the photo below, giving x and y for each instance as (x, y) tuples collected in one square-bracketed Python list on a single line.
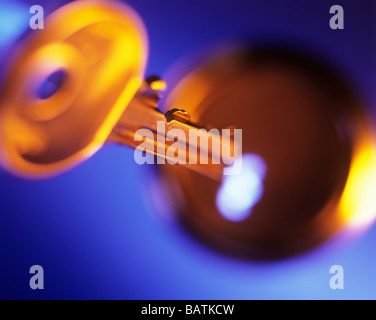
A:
[(94, 229)]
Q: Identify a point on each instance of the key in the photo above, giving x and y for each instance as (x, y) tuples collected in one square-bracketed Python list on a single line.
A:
[(142, 112), (74, 86)]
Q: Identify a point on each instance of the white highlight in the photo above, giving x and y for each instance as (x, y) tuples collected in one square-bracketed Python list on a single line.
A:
[(239, 193)]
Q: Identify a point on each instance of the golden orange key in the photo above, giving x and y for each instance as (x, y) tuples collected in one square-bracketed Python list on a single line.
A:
[(80, 83)]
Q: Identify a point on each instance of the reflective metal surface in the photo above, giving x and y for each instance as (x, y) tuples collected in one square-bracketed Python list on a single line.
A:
[(100, 49)]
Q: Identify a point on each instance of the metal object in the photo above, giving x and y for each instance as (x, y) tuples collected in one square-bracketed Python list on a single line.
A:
[(142, 112), (78, 84), (75, 86), (311, 132)]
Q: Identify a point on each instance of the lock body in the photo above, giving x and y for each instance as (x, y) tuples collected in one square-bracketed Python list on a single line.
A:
[(309, 130)]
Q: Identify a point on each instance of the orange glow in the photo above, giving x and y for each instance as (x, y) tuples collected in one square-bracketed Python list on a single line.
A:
[(193, 92), (102, 48), (357, 206), (159, 85)]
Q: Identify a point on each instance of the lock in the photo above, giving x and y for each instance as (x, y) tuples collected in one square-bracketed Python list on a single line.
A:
[(308, 152), (306, 138)]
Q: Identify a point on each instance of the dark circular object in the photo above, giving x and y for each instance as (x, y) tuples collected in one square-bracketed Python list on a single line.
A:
[(300, 118)]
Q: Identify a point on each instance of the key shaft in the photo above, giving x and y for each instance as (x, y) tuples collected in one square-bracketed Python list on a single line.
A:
[(143, 113)]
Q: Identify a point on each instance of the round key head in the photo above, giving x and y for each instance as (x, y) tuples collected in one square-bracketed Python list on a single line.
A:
[(303, 134), (68, 84)]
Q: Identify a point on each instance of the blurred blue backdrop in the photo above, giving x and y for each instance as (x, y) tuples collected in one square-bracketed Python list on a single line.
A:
[(93, 230)]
